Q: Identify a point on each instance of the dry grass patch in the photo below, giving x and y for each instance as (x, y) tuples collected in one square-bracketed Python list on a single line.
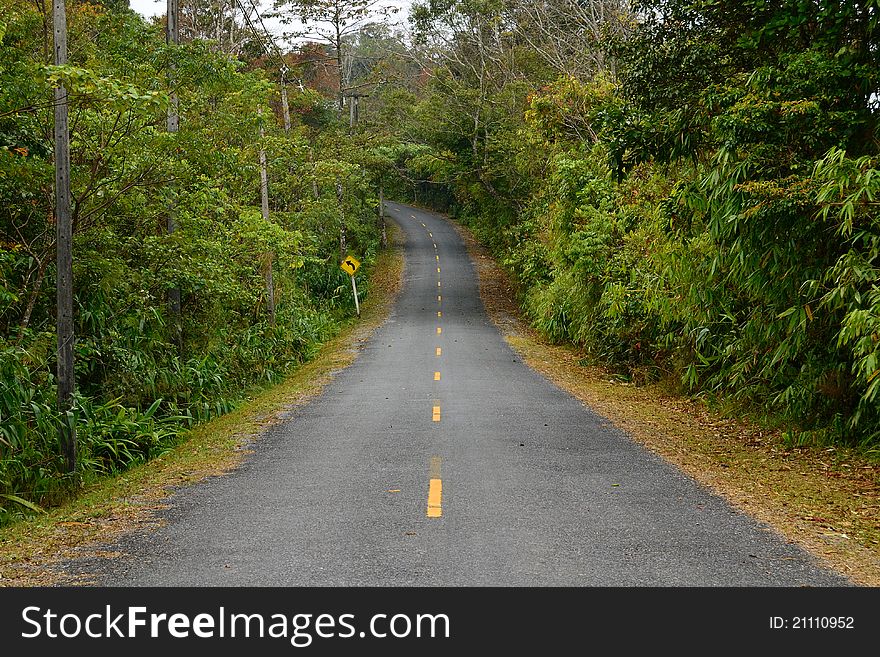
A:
[(32, 550), (825, 499)]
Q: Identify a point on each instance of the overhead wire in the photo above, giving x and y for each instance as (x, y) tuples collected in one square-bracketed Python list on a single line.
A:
[(246, 13)]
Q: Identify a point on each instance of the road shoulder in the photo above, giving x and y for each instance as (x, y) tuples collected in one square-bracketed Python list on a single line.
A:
[(827, 500), (33, 551)]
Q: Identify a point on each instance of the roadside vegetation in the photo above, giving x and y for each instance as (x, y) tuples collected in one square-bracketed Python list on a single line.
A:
[(826, 498), (686, 190), (147, 372), (37, 550)]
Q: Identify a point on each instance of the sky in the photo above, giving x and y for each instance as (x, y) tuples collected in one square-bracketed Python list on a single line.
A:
[(150, 8)]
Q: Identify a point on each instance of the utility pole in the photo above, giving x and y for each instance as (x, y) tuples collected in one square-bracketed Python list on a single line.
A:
[(285, 106), (264, 204), (354, 105), (64, 239), (172, 38), (315, 192), (340, 200), (382, 216)]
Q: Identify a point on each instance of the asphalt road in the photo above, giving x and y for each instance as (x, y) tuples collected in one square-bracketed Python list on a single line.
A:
[(438, 458)]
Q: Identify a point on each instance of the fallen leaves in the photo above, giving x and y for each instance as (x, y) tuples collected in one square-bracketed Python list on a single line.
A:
[(807, 494)]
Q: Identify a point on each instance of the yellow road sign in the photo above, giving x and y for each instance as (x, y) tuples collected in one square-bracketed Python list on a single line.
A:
[(350, 265)]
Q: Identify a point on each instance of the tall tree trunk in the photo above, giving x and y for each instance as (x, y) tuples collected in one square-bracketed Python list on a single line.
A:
[(32, 297)]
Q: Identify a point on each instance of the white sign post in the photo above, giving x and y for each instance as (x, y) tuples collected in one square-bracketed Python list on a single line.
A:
[(350, 266), (354, 288)]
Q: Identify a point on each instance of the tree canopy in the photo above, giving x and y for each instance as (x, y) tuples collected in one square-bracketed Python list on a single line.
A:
[(137, 389), (684, 189)]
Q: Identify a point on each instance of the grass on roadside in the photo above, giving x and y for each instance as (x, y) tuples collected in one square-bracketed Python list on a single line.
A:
[(826, 499), (32, 550)]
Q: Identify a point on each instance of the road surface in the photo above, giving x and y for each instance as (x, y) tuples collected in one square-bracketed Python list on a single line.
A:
[(439, 458)]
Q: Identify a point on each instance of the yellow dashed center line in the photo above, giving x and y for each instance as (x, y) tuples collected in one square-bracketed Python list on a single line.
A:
[(438, 258), (439, 351), (431, 235), (438, 283), (435, 498), (436, 414), (438, 270), (436, 376), (439, 314), (439, 298), (439, 330), (435, 490)]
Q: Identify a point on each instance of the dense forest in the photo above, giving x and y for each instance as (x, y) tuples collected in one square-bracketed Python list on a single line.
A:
[(683, 189), (145, 370), (686, 189)]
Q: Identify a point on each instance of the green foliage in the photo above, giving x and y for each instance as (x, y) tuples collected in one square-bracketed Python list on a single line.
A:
[(705, 209), (138, 388)]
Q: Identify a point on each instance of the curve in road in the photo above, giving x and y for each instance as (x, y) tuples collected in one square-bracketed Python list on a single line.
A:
[(438, 458)]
